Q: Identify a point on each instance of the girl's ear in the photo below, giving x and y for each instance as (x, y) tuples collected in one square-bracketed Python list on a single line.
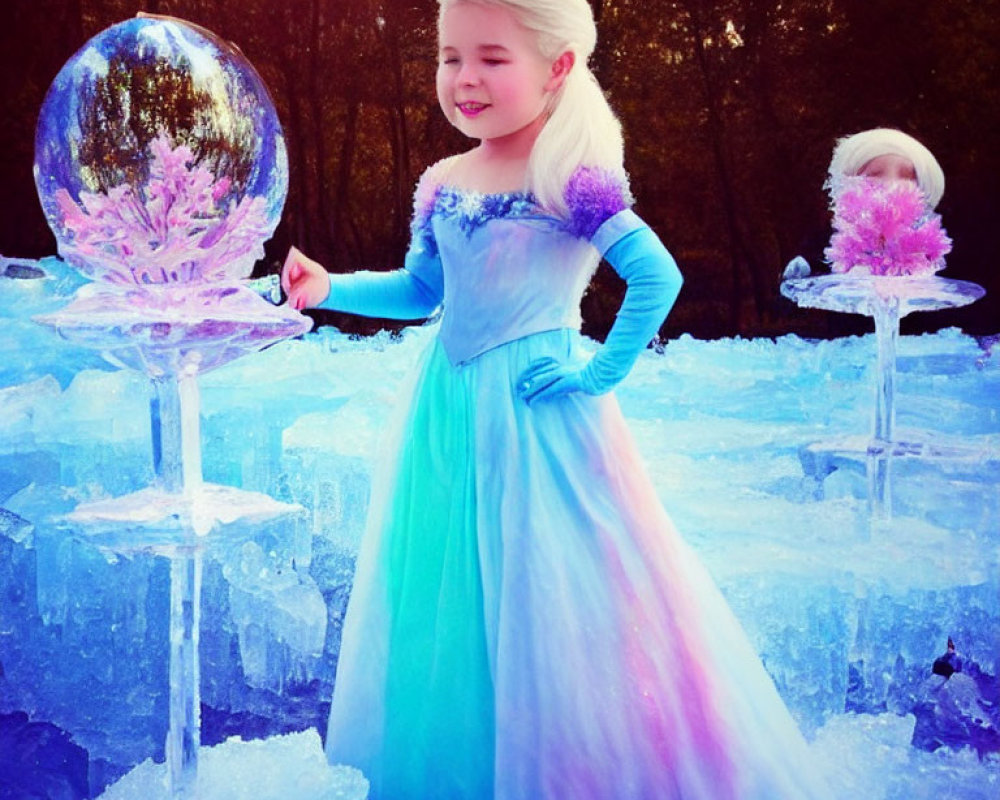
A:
[(560, 69)]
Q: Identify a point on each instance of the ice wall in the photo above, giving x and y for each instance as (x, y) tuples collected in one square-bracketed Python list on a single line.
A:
[(848, 617)]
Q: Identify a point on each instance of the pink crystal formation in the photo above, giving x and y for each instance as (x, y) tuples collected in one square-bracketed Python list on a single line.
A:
[(885, 228), (177, 229), (169, 259)]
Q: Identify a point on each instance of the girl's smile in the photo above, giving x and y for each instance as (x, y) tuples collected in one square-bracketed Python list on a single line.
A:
[(471, 110)]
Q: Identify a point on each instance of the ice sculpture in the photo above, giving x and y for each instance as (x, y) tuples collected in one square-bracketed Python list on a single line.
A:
[(156, 142), (886, 246), (161, 168)]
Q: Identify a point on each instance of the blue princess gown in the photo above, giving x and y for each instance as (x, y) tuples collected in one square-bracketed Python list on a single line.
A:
[(525, 621)]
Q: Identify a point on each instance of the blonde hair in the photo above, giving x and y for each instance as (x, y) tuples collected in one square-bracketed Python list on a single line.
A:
[(852, 153), (581, 129)]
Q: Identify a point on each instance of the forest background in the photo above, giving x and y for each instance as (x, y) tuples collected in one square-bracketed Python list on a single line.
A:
[(730, 109)]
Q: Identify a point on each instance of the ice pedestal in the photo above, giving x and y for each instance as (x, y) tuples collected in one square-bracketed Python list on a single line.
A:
[(172, 334), (844, 621), (886, 299), (180, 522), (78, 614), (185, 528), (168, 214), (265, 592)]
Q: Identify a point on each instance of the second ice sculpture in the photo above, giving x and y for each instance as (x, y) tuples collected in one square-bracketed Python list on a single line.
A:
[(161, 167), (886, 247)]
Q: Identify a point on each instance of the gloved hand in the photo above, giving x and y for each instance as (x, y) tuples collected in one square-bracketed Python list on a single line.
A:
[(547, 378), (653, 283)]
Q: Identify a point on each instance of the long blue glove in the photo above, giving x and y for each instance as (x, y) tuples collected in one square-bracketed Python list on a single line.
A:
[(653, 283), (413, 292)]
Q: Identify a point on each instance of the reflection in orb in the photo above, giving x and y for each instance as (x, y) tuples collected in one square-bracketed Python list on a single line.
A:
[(159, 158)]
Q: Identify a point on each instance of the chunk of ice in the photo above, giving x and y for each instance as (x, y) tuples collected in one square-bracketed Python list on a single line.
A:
[(291, 767)]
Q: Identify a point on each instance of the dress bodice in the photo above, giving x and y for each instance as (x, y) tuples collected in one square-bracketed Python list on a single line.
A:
[(508, 271), (500, 265), (505, 267)]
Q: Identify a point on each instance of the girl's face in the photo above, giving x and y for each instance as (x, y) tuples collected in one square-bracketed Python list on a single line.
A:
[(492, 81), (890, 167)]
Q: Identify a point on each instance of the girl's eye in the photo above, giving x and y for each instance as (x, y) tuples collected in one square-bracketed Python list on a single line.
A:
[(493, 62), (449, 60)]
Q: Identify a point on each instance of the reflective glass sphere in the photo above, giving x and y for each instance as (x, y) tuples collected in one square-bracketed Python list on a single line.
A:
[(159, 157)]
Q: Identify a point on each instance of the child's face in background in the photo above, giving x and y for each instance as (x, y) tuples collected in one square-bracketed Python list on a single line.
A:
[(890, 167), (492, 82)]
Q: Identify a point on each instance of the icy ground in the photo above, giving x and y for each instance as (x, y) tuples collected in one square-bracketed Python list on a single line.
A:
[(848, 616)]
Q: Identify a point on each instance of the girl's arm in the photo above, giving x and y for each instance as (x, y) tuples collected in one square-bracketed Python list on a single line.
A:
[(413, 292), (653, 283)]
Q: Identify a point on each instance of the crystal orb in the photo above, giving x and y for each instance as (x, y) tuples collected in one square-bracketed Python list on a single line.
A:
[(159, 157)]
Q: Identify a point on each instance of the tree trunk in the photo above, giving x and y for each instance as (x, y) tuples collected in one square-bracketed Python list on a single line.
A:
[(738, 251)]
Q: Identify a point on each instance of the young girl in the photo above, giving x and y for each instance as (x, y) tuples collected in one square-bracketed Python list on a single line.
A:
[(887, 154), (525, 621), (883, 188)]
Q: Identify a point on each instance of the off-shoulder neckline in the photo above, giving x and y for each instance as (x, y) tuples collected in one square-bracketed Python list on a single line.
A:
[(517, 194)]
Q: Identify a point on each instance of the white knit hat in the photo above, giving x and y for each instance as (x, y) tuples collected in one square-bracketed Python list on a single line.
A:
[(853, 152)]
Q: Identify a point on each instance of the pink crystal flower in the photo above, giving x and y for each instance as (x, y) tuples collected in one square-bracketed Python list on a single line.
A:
[(885, 228), (177, 229)]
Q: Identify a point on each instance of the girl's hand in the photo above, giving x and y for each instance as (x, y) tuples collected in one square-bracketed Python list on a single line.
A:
[(305, 281), (547, 378)]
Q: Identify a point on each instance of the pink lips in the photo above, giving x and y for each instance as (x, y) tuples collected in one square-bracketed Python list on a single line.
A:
[(470, 109)]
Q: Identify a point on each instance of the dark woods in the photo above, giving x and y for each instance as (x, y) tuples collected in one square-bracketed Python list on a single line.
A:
[(730, 109)]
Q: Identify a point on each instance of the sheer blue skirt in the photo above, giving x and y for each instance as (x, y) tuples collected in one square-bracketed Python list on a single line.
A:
[(526, 622)]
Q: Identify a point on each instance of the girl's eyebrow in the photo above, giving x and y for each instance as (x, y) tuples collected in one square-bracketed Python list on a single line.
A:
[(482, 48)]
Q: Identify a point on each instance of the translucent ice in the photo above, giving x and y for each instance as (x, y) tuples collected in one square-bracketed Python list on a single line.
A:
[(868, 756), (31, 352), (159, 158), (279, 768), (848, 617), (280, 618)]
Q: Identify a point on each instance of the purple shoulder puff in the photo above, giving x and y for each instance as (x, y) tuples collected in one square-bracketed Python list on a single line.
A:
[(593, 196)]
